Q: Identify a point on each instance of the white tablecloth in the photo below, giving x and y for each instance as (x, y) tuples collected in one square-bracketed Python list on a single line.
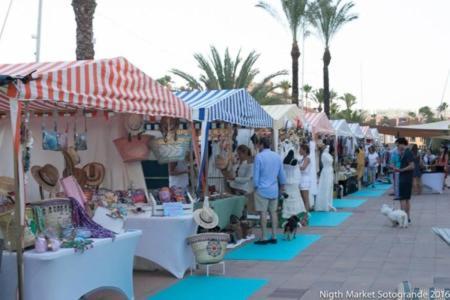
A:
[(434, 181), (164, 241), (68, 275)]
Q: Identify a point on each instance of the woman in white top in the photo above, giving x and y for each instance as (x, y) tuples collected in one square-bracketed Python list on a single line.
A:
[(240, 179), (373, 163), (179, 174), (305, 179)]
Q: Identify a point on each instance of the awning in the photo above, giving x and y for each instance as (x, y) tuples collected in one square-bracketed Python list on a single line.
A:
[(367, 132), (319, 123), (232, 106), (356, 130), (342, 128), (282, 113), (107, 84), (435, 129)]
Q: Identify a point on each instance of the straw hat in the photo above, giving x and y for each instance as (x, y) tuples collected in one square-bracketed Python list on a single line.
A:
[(206, 217), (73, 154), (70, 159), (95, 173), (134, 123), (47, 177), (7, 185)]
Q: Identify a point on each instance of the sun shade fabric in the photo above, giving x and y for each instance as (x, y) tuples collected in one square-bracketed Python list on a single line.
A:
[(319, 123), (342, 128), (235, 106), (107, 84), (356, 129), (375, 133), (367, 132), (435, 129), (282, 113)]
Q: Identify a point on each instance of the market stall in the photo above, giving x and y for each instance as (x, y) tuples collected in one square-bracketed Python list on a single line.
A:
[(221, 112), (62, 93)]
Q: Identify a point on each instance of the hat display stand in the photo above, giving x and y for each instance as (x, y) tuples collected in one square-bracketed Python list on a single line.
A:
[(210, 247)]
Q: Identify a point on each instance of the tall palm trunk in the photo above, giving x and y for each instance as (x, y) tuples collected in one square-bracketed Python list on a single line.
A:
[(326, 81), (295, 54), (84, 16)]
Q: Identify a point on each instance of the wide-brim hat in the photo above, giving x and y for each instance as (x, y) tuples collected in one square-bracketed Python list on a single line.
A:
[(7, 185), (78, 174), (206, 217), (95, 173), (47, 177), (73, 154), (134, 123)]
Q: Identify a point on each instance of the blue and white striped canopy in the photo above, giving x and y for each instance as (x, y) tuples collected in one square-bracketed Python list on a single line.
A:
[(232, 106)]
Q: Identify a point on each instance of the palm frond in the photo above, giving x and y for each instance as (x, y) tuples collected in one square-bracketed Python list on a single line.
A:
[(273, 12), (209, 79), (247, 72), (191, 81), (216, 62)]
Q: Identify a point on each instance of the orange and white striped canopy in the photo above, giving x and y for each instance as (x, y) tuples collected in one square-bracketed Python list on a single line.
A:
[(319, 123), (108, 84)]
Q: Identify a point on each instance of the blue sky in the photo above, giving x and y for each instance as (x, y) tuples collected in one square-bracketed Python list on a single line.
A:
[(397, 51)]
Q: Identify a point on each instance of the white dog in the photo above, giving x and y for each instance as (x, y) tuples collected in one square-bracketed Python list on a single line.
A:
[(397, 217)]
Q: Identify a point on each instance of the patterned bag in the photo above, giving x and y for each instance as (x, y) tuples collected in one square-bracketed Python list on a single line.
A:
[(80, 139), (50, 139), (171, 150)]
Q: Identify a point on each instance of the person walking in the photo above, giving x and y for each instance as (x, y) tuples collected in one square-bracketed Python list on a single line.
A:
[(417, 185), (373, 163), (360, 165), (406, 172), (305, 179), (268, 178), (442, 162)]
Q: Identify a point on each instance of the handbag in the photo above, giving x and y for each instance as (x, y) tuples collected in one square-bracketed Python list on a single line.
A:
[(171, 150), (80, 138), (50, 138), (135, 148), (54, 214), (63, 139), (9, 229)]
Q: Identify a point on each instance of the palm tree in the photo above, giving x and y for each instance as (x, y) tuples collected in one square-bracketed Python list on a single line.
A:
[(426, 114), (328, 17), (229, 73), (318, 97), (349, 101), (385, 121), (334, 110), (306, 90), (295, 19), (412, 115), (84, 17), (442, 108), (285, 86)]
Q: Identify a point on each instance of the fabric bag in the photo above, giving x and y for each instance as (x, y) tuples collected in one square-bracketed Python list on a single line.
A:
[(50, 138), (171, 150), (80, 138), (63, 139), (133, 149), (9, 229)]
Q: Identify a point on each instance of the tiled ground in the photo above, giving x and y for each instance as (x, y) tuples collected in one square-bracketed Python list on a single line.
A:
[(363, 253)]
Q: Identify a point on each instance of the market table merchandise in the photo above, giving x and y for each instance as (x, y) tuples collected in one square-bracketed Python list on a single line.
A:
[(66, 274)]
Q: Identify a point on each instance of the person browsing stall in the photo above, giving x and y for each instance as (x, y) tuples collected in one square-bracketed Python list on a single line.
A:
[(240, 179), (268, 175)]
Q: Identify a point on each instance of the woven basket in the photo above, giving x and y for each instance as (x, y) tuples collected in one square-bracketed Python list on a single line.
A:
[(209, 248), (57, 213), (9, 229), (172, 150)]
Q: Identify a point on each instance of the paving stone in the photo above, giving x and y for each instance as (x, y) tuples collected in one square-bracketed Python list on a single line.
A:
[(283, 293)]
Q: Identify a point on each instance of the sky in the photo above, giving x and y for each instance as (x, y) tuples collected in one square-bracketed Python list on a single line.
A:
[(396, 55)]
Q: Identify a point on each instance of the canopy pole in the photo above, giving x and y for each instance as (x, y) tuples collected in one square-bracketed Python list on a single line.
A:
[(16, 120)]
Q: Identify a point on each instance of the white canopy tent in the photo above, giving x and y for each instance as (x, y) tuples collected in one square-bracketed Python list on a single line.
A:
[(342, 128), (356, 130), (282, 115)]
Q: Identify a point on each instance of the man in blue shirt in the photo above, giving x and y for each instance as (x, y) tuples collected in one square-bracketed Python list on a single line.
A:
[(268, 175)]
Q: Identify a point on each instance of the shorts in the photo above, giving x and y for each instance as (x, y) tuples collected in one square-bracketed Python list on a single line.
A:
[(263, 204)]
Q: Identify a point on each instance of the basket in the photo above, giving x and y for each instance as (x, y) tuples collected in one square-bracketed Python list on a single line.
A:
[(57, 213), (172, 150), (134, 149), (209, 248), (9, 230)]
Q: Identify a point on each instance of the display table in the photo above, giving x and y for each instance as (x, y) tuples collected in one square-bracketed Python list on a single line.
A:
[(164, 241), (67, 274), (433, 181), (226, 207)]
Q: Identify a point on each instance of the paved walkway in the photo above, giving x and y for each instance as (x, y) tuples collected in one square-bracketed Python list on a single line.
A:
[(363, 253)]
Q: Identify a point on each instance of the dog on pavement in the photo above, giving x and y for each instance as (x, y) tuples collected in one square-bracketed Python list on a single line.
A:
[(290, 227), (397, 217)]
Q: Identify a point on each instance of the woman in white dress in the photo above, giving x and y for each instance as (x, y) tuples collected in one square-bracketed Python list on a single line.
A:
[(326, 181), (305, 175)]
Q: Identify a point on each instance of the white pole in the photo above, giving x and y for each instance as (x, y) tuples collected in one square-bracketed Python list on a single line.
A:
[(38, 33)]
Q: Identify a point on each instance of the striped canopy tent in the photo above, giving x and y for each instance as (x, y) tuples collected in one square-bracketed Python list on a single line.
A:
[(318, 123), (367, 132), (108, 84), (356, 130), (342, 128), (232, 106), (282, 113)]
